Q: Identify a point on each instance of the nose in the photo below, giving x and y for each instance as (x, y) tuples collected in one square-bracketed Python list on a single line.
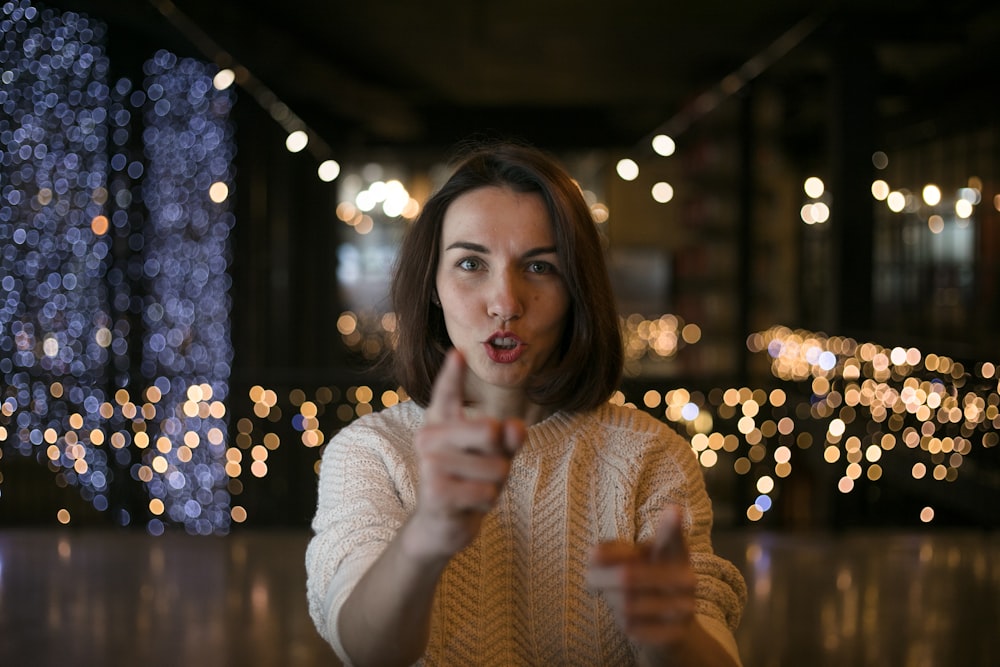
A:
[(506, 298)]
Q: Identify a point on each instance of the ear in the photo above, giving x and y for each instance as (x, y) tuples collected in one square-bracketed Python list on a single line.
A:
[(434, 298)]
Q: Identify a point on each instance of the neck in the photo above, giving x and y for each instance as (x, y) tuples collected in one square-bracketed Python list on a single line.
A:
[(508, 405)]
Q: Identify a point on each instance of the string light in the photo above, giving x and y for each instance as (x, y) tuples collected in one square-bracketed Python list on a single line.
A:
[(56, 330), (627, 169), (663, 145), (52, 400), (76, 186), (662, 192), (186, 345)]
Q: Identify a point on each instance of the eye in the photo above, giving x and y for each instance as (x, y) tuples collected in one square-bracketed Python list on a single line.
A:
[(469, 264), (540, 267)]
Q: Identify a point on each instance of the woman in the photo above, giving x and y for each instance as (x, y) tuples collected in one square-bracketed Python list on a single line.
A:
[(508, 514)]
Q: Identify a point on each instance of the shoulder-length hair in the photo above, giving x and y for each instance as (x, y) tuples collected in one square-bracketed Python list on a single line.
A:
[(589, 359)]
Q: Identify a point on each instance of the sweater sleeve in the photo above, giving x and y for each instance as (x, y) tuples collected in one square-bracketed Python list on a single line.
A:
[(671, 476), (365, 494)]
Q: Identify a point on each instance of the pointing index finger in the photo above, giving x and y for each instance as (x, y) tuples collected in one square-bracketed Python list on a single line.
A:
[(448, 393)]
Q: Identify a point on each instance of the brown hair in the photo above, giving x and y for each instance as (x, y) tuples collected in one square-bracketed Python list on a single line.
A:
[(590, 356)]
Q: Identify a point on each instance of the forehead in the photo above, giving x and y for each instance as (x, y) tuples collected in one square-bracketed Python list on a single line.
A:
[(498, 212)]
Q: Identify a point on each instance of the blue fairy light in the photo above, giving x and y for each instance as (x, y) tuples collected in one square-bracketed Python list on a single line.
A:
[(104, 242), (188, 143), (53, 298)]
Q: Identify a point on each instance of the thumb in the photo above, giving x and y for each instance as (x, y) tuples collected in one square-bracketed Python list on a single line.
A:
[(669, 543)]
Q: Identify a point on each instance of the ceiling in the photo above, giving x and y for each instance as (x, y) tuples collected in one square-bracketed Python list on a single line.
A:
[(409, 75)]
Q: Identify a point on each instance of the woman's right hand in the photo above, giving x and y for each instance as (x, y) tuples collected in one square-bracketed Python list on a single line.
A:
[(463, 464)]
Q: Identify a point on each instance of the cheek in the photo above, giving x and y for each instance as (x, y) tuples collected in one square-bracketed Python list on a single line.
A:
[(453, 293), (457, 305)]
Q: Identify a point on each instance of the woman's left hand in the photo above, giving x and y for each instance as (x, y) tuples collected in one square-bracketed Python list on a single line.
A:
[(649, 587)]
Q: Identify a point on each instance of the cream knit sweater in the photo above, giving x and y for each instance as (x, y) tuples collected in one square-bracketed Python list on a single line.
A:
[(517, 595)]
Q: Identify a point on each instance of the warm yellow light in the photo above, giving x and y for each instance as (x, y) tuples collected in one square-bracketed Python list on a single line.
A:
[(365, 200), (936, 224), (963, 208), (218, 192), (328, 170), (663, 192), (411, 209), (820, 212), (814, 187), (708, 458), (880, 189), (651, 399), (691, 333), (99, 225), (831, 454), (932, 194), (395, 200), (600, 212), (223, 79), (664, 145), (896, 201), (627, 169), (296, 141), (765, 484), (346, 211)]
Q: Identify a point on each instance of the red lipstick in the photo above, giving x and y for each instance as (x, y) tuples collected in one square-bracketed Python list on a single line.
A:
[(504, 347)]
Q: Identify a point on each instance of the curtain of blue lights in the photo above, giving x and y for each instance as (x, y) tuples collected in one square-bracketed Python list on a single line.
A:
[(115, 347)]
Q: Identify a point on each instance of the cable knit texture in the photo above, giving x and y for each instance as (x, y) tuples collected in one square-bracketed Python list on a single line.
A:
[(517, 595)]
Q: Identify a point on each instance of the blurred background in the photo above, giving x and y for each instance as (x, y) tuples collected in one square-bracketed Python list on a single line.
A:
[(200, 203)]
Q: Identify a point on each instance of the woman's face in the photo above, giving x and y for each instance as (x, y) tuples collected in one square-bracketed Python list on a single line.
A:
[(500, 286)]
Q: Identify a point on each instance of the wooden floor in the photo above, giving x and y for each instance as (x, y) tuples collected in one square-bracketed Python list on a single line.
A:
[(82, 598)]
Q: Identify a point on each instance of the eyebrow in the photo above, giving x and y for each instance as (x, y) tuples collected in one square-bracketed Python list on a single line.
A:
[(475, 247)]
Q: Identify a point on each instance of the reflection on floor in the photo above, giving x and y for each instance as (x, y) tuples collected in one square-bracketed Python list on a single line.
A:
[(112, 598), (873, 598)]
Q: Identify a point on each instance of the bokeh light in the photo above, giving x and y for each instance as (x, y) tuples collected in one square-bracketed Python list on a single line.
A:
[(296, 141), (662, 192), (664, 145), (186, 352), (814, 187), (328, 170), (627, 169), (80, 174), (58, 336)]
